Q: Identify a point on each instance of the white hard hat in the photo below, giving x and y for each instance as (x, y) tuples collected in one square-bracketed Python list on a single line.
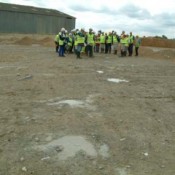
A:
[(62, 29)]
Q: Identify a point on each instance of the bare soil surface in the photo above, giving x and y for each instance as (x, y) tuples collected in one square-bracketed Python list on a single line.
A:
[(105, 115)]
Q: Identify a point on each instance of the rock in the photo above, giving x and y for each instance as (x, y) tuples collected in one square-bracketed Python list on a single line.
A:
[(104, 151), (45, 158), (145, 154), (100, 167), (24, 169), (37, 139), (59, 148), (122, 139), (22, 159), (27, 77)]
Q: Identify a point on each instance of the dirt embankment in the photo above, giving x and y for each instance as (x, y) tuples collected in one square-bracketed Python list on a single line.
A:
[(158, 42), (28, 39)]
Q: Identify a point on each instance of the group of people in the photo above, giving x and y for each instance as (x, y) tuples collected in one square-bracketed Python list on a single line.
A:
[(80, 41)]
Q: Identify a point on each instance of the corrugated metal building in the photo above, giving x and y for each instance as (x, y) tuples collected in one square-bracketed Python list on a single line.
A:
[(27, 19)]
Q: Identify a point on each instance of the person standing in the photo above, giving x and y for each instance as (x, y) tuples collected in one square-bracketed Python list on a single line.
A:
[(131, 41), (62, 37), (80, 41), (90, 40), (70, 43), (109, 42), (75, 43), (137, 43), (106, 44), (97, 42), (124, 42), (115, 40), (102, 43)]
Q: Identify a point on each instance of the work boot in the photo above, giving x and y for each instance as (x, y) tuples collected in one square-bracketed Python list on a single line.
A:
[(78, 55), (122, 54), (75, 51)]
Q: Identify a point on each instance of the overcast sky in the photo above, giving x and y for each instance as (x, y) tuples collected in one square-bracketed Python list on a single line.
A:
[(142, 17)]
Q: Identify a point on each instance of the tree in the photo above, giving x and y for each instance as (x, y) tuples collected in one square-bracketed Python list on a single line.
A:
[(164, 37)]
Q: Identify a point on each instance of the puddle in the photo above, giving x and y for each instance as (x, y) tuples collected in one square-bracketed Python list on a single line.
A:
[(74, 103), (68, 146), (7, 75), (48, 75), (71, 103), (104, 151), (45, 74), (52, 100), (27, 77), (3, 67), (121, 171), (20, 68), (100, 72), (116, 80)]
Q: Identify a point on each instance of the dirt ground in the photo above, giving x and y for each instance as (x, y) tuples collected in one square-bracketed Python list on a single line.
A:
[(105, 115)]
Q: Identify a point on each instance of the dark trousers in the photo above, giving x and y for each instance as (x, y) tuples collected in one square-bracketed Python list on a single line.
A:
[(69, 49), (130, 49), (56, 46), (108, 48), (90, 50), (136, 51), (96, 48), (123, 53), (78, 50), (61, 50)]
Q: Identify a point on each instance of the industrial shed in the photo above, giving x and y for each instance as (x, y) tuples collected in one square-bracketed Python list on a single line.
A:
[(28, 19)]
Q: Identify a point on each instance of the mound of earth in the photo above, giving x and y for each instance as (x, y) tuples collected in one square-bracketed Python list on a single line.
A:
[(158, 42), (26, 41)]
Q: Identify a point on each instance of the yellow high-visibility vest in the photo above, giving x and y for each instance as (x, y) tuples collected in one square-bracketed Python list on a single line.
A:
[(109, 40), (80, 39), (115, 40), (61, 42), (102, 39), (126, 41), (90, 38), (57, 38), (131, 38), (70, 41)]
